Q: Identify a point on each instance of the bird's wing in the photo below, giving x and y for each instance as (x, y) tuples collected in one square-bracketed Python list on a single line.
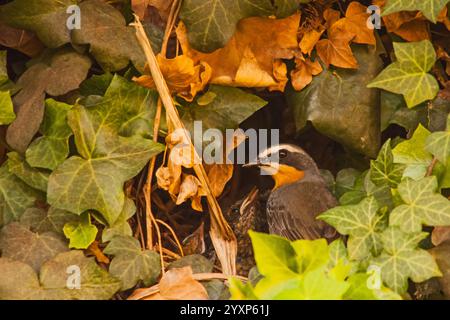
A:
[(292, 211)]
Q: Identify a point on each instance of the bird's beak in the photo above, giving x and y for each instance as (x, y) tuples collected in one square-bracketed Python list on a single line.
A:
[(267, 167)]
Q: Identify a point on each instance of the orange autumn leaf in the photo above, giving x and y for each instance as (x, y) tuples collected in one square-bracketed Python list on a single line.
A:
[(336, 49), (309, 40), (443, 18), (411, 26), (304, 71), (355, 23), (140, 7), (178, 284), (254, 54), (331, 16), (182, 76)]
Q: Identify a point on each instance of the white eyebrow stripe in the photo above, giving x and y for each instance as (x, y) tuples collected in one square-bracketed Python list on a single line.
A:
[(277, 148)]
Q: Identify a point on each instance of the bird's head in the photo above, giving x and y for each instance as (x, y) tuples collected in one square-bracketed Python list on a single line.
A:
[(286, 164)]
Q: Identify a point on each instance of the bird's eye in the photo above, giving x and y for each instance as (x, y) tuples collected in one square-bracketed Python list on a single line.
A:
[(235, 210), (283, 154)]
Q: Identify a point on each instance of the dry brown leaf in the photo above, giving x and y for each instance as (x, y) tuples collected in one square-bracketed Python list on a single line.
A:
[(440, 235), (179, 284), (191, 188), (411, 26), (309, 40), (219, 175), (182, 76), (336, 49), (304, 71), (331, 16), (355, 23), (253, 54), (443, 18), (21, 40), (140, 7)]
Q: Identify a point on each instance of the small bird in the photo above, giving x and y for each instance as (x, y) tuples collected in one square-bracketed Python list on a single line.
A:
[(300, 194), (244, 215)]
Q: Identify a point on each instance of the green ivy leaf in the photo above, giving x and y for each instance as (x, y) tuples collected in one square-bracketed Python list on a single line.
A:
[(55, 73), (112, 42), (423, 206), (429, 8), (96, 85), (311, 254), (47, 18), (227, 110), (401, 259), (363, 188), (18, 281), (86, 183), (409, 74), (413, 153), (340, 106), (438, 144), (362, 223), (395, 111), (316, 285), (103, 28), (52, 148), (131, 264), (345, 180), (360, 291), (211, 23), (81, 233), (15, 196), (274, 255), (127, 108), (33, 177), (7, 114), (121, 227), (19, 243), (383, 170), (47, 220), (285, 8)]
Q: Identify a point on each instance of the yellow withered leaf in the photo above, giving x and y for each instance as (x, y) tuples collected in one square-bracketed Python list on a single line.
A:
[(254, 54), (183, 77)]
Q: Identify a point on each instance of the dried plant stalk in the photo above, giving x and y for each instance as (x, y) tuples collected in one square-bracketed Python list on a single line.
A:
[(222, 236)]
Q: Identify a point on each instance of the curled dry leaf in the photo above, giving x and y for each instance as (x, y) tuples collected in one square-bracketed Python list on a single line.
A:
[(309, 40), (21, 40), (336, 49), (179, 284), (440, 235), (182, 76), (191, 188), (304, 71), (355, 23), (352, 28), (253, 54), (410, 25)]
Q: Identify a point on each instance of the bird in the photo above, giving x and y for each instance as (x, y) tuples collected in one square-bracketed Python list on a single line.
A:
[(244, 215), (299, 194)]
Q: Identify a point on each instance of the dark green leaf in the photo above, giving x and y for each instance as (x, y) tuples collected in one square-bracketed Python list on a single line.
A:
[(19, 243), (131, 264), (339, 104)]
